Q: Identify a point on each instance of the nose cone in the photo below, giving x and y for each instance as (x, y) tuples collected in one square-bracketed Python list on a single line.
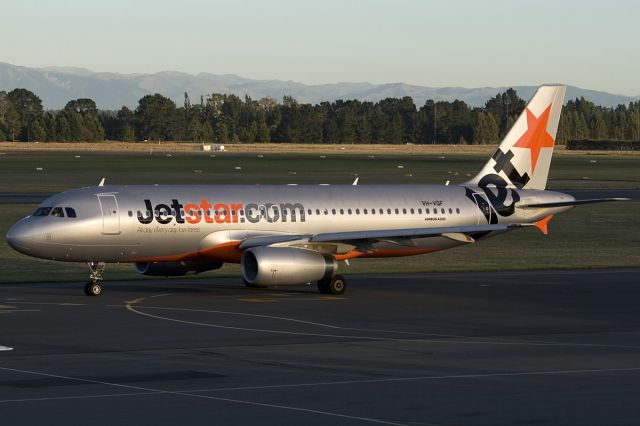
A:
[(18, 237)]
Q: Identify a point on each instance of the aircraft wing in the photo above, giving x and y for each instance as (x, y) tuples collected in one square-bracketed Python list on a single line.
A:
[(267, 240), (460, 233)]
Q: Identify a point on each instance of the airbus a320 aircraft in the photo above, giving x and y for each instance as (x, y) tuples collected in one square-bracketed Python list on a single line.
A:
[(284, 234)]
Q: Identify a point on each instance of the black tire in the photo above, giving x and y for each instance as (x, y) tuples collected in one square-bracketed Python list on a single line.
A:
[(323, 286), (337, 285), (93, 289)]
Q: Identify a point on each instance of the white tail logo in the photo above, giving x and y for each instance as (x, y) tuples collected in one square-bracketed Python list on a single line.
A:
[(523, 158)]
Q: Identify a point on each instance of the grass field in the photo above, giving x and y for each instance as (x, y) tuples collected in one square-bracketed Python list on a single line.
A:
[(604, 235), (64, 170)]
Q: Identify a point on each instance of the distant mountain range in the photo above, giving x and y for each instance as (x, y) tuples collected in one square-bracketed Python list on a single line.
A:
[(58, 85)]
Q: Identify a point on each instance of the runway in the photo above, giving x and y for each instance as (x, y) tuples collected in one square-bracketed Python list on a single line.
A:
[(543, 347)]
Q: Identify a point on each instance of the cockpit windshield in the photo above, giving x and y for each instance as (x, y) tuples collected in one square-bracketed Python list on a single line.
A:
[(43, 211), (56, 212)]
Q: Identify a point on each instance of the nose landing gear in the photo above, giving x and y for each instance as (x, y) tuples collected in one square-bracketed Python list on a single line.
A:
[(94, 285)]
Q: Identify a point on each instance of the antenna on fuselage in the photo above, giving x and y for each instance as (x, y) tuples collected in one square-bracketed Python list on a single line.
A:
[(101, 182), (355, 182)]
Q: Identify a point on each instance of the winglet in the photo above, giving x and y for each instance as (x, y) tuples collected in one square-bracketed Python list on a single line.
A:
[(542, 224), (101, 182)]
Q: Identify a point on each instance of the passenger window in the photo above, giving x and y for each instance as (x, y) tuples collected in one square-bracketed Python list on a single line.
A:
[(412, 211), (68, 215), (57, 212), (326, 212), (318, 211), (419, 211), (397, 211), (381, 211), (450, 211), (388, 211), (442, 211), (309, 212), (357, 211), (365, 211), (341, 211), (42, 211), (404, 211), (426, 211), (458, 211), (373, 211), (349, 211), (333, 211)]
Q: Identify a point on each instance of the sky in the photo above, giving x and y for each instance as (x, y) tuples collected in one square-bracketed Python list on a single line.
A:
[(590, 44)]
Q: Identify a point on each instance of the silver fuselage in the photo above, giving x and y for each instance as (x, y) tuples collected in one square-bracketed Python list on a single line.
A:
[(179, 222)]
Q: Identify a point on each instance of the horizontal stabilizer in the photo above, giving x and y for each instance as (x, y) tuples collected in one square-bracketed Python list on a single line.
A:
[(573, 202)]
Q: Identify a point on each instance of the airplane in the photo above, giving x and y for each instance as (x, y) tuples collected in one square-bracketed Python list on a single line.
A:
[(286, 235)]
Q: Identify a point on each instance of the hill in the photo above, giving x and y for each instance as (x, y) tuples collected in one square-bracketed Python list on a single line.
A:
[(57, 85)]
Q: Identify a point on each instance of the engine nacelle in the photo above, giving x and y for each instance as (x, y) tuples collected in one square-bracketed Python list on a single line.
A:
[(175, 269), (264, 266)]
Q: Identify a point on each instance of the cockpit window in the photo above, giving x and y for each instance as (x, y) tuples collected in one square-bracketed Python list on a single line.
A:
[(42, 211), (70, 212), (57, 212)]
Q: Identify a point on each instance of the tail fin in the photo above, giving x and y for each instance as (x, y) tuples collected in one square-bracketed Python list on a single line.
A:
[(522, 160)]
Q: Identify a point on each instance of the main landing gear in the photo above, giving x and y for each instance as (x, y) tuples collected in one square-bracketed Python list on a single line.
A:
[(94, 285), (335, 285)]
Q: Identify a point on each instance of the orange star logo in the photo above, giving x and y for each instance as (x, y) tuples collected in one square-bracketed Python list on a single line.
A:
[(536, 137)]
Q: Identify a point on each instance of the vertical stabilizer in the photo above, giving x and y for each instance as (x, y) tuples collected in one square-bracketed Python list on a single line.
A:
[(523, 158)]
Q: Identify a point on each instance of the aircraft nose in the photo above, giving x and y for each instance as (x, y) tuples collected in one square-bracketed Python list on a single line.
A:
[(18, 236)]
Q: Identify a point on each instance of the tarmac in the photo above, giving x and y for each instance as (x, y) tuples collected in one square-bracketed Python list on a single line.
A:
[(495, 348)]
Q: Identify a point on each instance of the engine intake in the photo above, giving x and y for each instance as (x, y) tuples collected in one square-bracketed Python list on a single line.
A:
[(175, 269), (264, 266)]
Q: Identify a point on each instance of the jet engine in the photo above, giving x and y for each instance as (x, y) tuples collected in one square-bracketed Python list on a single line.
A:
[(175, 269), (264, 266)]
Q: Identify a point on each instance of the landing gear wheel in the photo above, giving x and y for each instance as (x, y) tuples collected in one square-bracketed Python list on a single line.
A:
[(323, 286), (335, 285), (93, 288)]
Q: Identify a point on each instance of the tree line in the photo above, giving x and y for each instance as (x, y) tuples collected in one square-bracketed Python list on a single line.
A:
[(229, 119)]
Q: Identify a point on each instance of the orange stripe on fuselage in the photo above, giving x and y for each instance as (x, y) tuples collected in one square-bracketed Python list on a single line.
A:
[(226, 252), (385, 253), (400, 252), (230, 252)]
